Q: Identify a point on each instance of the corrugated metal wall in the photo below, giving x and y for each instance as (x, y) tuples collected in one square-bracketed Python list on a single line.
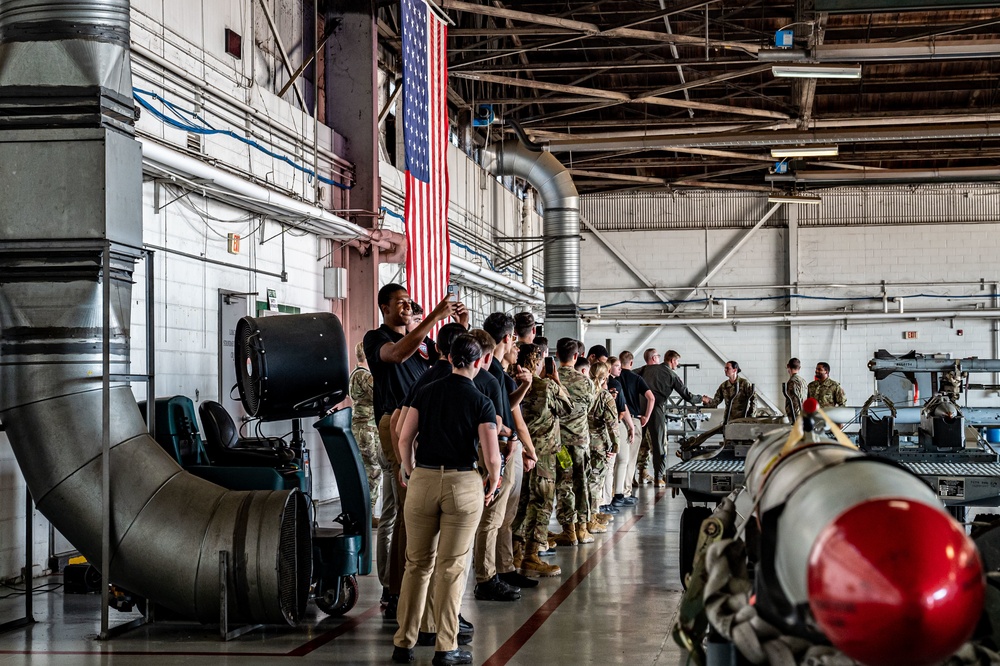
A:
[(963, 203)]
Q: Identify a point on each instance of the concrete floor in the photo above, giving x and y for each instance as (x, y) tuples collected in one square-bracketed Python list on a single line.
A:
[(614, 604)]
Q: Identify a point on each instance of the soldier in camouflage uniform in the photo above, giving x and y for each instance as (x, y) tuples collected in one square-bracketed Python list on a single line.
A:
[(737, 392), (572, 487), (363, 422), (604, 440), (642, 462), (795, 389), (542, 407), (827, 392)]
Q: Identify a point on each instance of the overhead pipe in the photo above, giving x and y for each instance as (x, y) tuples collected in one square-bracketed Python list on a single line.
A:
[(496, 283), (167, 527), (827, 318), (560, 225), (871, 133), (315, 219), (967, 49), (842, 176)]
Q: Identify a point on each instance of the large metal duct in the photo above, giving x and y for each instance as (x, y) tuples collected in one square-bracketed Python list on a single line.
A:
[(70, 176), (560, 227)]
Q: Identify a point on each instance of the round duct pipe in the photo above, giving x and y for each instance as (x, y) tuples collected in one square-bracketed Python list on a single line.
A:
[(167, 527), (560, 225)]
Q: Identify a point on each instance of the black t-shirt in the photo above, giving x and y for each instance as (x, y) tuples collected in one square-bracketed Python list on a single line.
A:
[(490, 387), (635, 387), (392, 381), (450, 412), (509, 386), (615, 384), (439, 370)]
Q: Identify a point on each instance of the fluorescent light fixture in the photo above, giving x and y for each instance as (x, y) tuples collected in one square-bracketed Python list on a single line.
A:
[(793, 199), (806, 151), (816, 71)]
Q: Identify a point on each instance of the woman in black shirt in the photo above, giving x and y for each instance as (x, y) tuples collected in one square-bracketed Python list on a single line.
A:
[(445, 498)]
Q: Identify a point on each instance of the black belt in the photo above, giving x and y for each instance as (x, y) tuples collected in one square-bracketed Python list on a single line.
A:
[(449, 468)]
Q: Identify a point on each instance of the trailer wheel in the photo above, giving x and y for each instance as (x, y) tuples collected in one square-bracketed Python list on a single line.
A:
[(348, 597)]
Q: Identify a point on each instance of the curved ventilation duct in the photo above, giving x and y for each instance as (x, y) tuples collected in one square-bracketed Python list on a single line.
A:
[(71, 172), (560, 227)]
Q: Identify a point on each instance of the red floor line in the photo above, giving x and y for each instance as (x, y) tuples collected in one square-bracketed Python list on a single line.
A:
[(337, 631), (300, 651), (524, 633)]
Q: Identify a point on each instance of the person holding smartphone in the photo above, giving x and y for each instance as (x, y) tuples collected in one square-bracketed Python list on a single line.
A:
[(450, 418)]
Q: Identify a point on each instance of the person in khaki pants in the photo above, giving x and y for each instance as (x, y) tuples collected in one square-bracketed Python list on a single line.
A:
[(444, 499), (393, 356)]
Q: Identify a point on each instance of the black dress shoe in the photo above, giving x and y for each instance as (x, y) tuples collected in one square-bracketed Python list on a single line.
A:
[(428, 639), (515, 579), (389, 612), (464, 626), (401, 655), (452, 657), (629, 501), (495, 589)]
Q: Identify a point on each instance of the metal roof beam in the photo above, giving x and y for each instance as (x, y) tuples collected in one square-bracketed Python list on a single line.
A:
[(621, 97), (783, 138)]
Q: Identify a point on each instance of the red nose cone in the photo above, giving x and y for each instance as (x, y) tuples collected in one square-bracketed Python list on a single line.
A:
[(895, 582), (809, 405)]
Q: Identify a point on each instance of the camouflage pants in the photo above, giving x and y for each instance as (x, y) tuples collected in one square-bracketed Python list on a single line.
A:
[(598, 475), (644, 448), (573, 488), (366, 435), (541, 495)]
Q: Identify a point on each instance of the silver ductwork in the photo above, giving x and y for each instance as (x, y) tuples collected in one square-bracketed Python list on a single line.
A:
[(70, 189), (560, 228)]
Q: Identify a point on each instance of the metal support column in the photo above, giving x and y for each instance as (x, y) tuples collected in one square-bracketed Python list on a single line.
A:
[(28, 618), (105, 438), (107, 632)]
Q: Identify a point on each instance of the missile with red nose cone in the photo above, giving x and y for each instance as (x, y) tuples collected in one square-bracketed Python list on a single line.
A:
[(860, 551)]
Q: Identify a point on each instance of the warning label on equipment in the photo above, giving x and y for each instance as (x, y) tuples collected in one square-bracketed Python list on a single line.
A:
[(722, 483), (953, 487)]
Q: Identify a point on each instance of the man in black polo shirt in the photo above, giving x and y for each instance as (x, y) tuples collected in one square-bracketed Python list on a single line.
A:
[(636, 391), (396, 366)]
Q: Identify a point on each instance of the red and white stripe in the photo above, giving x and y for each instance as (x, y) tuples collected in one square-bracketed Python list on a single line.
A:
[(428, 258)]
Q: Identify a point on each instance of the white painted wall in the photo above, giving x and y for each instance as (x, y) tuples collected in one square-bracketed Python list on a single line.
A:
[(935, 254)]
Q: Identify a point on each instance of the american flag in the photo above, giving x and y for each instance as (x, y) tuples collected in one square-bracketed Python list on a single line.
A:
[(425, 135)]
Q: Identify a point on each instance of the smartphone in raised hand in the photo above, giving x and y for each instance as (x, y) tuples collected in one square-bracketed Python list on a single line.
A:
[(453, 293)]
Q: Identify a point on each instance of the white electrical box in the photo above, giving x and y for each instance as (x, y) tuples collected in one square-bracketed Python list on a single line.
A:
[(334, 283)]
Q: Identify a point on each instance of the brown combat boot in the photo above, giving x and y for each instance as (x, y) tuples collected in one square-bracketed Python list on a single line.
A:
[(533, 566), (582, 535), (604, 518), (518, 553), (567, 537), (595, 527)]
